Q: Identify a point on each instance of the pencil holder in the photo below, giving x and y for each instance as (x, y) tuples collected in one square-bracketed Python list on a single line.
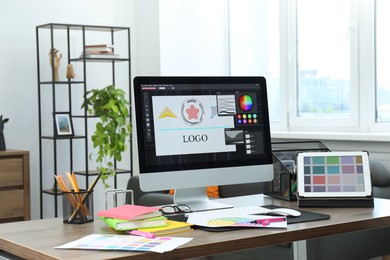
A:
[(284, 157), (77, 207)]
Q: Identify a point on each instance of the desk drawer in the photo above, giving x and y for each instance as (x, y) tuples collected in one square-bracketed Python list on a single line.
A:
[(12, 204), (11, 172)]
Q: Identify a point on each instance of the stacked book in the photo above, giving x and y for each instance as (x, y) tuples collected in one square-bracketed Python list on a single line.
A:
[(142, 218), (128, 217), (171, 227), (99, 51)]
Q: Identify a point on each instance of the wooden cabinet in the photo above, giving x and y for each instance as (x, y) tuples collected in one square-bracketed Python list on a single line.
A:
[(14, 185)]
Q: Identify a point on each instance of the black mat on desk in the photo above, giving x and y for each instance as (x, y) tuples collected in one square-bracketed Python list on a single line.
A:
[(304, 217), (177, 217)]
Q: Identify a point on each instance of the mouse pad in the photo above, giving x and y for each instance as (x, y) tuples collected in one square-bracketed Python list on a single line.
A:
[(304, 217)]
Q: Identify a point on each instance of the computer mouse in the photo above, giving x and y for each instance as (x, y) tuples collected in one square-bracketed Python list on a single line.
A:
[(284, 212)]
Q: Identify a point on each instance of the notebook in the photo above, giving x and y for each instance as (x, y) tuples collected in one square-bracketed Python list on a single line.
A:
[(121, 224), (131, 212), (171, 227)]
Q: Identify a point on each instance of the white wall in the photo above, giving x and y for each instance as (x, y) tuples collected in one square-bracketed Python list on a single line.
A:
[(18, 63), (147, 38), (193, 37)]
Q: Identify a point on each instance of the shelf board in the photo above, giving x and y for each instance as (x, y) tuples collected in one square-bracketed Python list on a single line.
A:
[(51, 192), (99, 59), (62, 137), (60, 82), (95, 172), (61, 26), (82, 116)]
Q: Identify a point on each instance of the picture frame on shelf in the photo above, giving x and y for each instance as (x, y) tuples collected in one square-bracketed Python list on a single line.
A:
[(63, 124)]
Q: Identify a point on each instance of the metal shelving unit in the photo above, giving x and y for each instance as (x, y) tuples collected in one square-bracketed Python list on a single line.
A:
[(71, 37)]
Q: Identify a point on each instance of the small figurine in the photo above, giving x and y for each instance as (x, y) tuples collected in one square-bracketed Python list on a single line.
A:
[(2, 141), (70, 72), (57, 59)]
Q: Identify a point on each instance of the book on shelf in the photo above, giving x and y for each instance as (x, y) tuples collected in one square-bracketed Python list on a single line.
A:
[(171, 227), (89, 52), (99, 49), (100, 56), (122, 225), (130, 212), (103, 45)]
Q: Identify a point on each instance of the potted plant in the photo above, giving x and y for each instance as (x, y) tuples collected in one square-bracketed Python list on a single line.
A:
[(113, 129)]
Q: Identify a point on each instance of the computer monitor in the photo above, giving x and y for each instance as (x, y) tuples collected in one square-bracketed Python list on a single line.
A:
[(194, 132)]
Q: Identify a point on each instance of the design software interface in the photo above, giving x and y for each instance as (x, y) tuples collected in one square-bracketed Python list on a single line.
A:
[(197, 125)]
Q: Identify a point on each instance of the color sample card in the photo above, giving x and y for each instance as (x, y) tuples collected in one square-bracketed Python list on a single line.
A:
[(330, 173), (126, 243), (233, 218)]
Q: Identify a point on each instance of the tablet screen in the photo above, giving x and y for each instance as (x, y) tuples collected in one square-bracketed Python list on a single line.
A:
[(334, 174)]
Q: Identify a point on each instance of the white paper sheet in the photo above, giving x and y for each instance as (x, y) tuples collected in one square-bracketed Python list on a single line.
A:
[(126, 243), (220, 219)]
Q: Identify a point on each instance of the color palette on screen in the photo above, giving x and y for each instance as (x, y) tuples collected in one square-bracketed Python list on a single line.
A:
[(244, 119), (333, 174), (246, 103)]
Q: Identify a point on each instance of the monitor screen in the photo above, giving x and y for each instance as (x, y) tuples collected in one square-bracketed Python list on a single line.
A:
[(194, 132)]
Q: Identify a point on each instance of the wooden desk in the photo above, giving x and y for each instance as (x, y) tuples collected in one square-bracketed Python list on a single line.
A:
[(35, 239)]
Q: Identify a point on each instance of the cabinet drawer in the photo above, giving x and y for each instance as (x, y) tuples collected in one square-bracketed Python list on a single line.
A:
[(11, 172), (12, 204)]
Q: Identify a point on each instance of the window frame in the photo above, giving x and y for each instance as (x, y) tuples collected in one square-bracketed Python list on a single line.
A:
[(373, 126), (363, 78), (345, 123)]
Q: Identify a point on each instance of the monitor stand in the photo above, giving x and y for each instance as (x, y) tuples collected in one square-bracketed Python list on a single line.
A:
[(197, 199)]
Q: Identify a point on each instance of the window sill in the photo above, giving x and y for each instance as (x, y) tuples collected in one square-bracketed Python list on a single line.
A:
[(352, 136)]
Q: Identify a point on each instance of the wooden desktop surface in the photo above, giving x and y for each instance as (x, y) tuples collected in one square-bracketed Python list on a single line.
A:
[(36, 239)]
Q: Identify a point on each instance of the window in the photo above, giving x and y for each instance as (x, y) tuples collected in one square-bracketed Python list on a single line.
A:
[(322, 76), (316, 84), (382, 114), (324, 82), (323, 58)]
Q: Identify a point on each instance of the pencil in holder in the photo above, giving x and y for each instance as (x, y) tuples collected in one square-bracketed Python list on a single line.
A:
[(80, 203)]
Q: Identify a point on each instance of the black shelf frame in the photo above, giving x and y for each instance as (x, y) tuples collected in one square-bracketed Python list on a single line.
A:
[(52, 27)]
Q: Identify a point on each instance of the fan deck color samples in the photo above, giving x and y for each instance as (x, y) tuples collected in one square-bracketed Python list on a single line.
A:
[(333, 174)]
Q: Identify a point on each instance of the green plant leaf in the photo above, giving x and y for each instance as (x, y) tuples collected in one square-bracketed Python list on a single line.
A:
[(110, 135)]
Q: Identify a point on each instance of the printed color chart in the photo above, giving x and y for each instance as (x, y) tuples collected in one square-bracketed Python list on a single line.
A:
[(333, 174), (126, 243)]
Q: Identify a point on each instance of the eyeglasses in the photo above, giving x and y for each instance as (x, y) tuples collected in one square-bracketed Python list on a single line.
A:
[(171, 209)]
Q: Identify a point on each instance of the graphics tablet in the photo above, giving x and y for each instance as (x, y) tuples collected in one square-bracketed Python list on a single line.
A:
[(333, 174)]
